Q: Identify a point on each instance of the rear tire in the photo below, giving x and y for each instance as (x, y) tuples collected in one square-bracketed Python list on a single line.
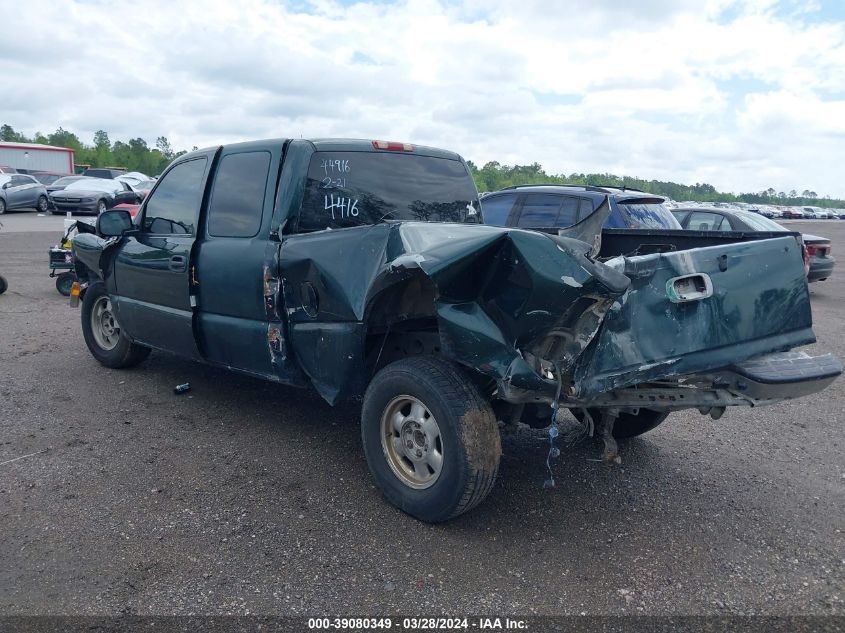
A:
[(42, 204), (103, 335), (430, 438), (4, 285), (2, 206), (64, 282), (628, 425)]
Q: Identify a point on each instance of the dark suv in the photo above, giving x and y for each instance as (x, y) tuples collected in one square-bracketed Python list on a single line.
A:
[(104, 172), (550, 206)]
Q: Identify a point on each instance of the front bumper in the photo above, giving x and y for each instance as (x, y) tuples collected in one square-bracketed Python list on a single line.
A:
[(74, 206)]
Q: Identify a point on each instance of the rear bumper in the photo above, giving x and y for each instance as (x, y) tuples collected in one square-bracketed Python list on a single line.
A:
[(785, 375), (820, 268)]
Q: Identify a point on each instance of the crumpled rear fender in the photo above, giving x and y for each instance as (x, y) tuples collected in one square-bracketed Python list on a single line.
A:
[(504, 298)]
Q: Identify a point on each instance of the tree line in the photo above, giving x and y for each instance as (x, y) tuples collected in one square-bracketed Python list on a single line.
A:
[(136, 155), (493, 176), (133, 155)]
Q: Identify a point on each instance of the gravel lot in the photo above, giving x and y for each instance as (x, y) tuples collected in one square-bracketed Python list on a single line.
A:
[(244, 497)]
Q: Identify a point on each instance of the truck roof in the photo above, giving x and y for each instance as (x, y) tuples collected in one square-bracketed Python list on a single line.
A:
[(346, 145)]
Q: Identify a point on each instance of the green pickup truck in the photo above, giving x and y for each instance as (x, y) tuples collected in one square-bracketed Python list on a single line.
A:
[(362, 269)]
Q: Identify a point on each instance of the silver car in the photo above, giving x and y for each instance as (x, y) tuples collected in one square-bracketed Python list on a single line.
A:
[(20, 191)]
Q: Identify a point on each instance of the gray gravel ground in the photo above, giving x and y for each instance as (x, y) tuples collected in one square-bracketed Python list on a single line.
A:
[(244, 497)]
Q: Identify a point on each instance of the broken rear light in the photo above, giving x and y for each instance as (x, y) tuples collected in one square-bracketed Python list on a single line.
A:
[(393, 146), (818, 249)]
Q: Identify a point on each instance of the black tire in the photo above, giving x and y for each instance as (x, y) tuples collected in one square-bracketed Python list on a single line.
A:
[(468, 435), (125, 353), (628, 425), (101, 206), (64, 282), (42, 205), (2, 206), (4, 285)]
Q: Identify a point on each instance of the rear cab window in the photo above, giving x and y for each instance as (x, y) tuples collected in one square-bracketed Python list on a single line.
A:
[(348, 188)]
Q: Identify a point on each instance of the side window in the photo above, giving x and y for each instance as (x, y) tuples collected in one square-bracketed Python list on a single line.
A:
[(174, 206), (495, 210), (703, 221), (568, 212), (17, 181), (237, 200), (540, 210)]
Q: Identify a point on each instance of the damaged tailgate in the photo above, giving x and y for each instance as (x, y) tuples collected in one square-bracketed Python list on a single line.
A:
[(690, 311)]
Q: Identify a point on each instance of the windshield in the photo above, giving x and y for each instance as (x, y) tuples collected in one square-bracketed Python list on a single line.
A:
[(65, 181), (95, 184), (758, 222), (46, 179), (358, 188), (652, 215)]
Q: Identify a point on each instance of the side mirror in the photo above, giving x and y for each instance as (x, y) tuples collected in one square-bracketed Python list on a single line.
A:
[(114, 223), (126, 197)]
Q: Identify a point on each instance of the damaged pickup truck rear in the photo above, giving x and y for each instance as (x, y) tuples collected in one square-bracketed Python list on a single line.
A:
[(362, 269)]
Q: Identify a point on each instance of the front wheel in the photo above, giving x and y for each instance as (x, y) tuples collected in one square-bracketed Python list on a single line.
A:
[(101, 206), (430, 438), (2, 206), (103, 335), (4, 285)]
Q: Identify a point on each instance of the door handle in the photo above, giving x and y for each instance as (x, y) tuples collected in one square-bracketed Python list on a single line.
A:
[(178, 263)]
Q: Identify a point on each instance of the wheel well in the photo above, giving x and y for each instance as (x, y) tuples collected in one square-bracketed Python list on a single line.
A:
[(402, 322)]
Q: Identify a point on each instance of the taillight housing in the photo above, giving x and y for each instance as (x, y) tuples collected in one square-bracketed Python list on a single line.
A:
[(818, 249), (393, 146)]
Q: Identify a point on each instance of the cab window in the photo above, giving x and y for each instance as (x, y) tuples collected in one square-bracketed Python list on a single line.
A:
[(237, 200), (174, 206)]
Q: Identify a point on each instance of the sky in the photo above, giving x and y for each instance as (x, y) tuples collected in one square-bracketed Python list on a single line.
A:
[(741, 94)]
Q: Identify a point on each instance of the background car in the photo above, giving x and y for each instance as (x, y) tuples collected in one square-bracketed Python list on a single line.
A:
[(48, 177), (109, 173), (5, 169), (817, 248), (560, 206), (20, 191), (92, 195)]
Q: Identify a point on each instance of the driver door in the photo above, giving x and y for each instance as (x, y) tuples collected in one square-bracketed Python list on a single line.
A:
[(152, 269)]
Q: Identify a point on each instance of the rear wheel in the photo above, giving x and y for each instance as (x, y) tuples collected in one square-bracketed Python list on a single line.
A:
[(64, 283), (628, 424), (4, 285), (103, 335), (2, 206), (430, 438), (42, 204)]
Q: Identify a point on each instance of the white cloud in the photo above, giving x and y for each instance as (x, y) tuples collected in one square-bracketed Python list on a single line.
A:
[(743, 94)]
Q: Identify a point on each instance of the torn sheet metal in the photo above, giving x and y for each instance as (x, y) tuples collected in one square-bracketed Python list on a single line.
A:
[(499, 299)]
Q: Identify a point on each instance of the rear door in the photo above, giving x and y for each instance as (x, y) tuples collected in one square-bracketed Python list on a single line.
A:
[(152, 269), (237, 322)]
